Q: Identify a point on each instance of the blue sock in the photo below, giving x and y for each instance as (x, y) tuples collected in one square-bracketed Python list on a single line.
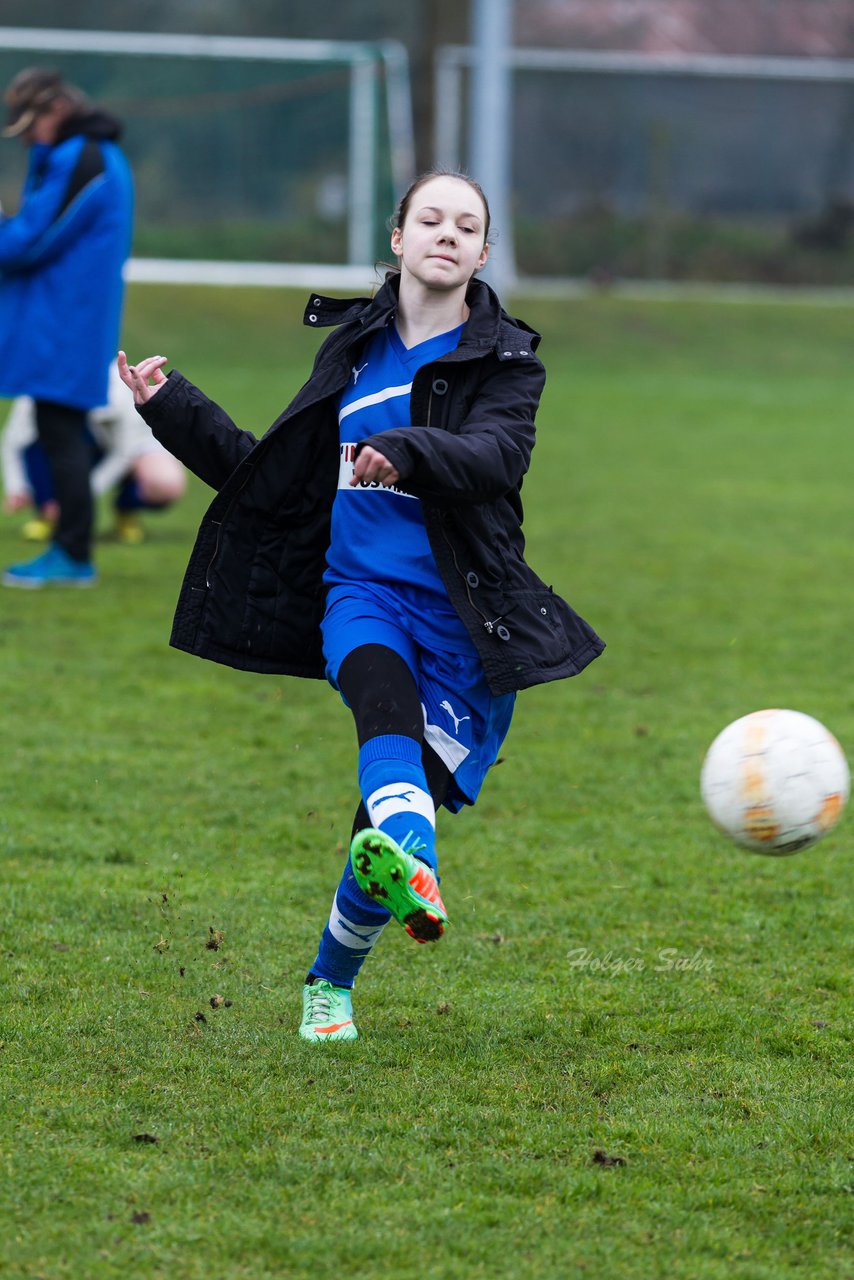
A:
[(355, 924), (396, 796), (398, 801)]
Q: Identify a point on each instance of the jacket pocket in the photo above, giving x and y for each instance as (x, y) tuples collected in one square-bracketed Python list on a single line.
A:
[(545, 635), (532, 625)]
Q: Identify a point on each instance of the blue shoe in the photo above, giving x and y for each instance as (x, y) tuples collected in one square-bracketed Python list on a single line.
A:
[(54, 567)]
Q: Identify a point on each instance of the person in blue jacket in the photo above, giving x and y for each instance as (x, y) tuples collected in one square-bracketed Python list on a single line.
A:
[(61, 290)]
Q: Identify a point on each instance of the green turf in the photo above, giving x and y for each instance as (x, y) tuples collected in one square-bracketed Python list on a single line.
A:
[(616, 979)]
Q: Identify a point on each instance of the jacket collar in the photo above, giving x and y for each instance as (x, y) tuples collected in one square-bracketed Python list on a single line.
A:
[(488, 328)]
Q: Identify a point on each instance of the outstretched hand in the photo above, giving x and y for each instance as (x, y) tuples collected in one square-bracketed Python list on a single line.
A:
[(136, 376)]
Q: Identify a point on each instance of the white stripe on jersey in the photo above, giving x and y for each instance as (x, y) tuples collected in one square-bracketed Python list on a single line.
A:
[(389, 393)]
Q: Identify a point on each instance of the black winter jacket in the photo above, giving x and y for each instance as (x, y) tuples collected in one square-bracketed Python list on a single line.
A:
[(253, 594)]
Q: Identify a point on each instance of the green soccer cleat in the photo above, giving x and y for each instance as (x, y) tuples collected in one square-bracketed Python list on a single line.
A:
[(327, 1012), (400, 882)]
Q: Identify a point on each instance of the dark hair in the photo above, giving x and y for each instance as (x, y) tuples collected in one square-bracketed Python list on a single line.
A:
[(399, 216)]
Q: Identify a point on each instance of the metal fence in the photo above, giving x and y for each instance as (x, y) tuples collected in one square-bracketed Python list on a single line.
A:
[(292, 152), (639, 165)]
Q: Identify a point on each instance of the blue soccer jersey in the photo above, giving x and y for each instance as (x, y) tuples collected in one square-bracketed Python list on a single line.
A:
[(378, 532)]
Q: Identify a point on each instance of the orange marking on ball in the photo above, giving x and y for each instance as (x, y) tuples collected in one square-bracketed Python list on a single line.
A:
[(759, 822), (753, 785), (830, 810)]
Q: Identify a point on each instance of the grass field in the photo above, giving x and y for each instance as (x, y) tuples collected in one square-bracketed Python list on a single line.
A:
[(631, 1054)]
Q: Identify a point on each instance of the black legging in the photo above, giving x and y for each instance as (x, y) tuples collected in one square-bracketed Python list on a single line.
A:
[(62, 435), (383, 696)]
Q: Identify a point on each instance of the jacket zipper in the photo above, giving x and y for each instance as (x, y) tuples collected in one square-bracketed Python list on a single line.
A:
[(234, 498), (488, 626), (220, 523)]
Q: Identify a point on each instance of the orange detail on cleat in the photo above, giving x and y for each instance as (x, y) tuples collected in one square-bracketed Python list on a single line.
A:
[(424, 883), (336, 1026)]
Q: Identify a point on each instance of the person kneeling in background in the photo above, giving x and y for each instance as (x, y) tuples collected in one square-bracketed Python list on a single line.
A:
[(126, 458)]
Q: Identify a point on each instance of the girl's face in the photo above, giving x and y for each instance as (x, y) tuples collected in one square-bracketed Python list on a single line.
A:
[(442, 241)]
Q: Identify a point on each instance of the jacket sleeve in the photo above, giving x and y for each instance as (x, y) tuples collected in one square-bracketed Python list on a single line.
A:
[(487, 457), (45, 225), (198, 432)]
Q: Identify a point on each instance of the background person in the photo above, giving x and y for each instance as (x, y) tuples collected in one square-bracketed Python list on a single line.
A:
[(61, 292), (374, 535), (125, 457)]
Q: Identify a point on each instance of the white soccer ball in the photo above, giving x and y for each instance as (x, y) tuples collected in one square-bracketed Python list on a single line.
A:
[(775, 781)]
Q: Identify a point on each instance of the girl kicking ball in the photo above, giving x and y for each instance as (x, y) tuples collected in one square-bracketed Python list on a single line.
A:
[(374, 536)]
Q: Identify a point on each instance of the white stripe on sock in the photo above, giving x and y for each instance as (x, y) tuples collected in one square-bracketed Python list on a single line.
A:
[(399, 797), (358, 937)]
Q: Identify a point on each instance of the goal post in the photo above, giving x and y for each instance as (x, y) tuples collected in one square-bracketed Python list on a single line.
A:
[(231, 136)]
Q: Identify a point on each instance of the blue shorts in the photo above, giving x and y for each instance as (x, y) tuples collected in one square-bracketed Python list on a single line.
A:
[(464, 723)]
